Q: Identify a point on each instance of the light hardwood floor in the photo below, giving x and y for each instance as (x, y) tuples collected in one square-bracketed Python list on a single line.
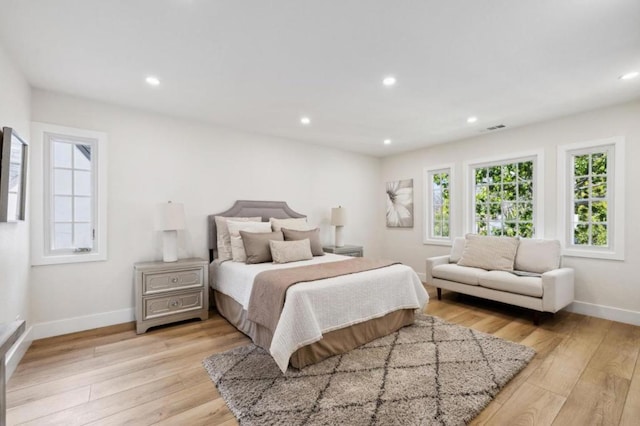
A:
[(586, 371)]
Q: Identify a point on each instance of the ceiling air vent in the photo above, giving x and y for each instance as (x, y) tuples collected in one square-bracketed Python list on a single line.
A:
[(496, 127)]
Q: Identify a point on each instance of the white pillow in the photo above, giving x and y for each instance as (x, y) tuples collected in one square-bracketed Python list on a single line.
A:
[(490, 253), (538, 256), (237, 246), (290, 251), (456, 249), (295, 224), (222, 234)]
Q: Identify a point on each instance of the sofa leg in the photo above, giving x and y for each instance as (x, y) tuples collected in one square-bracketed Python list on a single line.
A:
[(439, 293), (536, 318)]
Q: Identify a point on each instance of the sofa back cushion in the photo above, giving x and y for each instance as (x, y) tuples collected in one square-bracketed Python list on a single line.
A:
[(490, 253), (456, 249), (537, 256)]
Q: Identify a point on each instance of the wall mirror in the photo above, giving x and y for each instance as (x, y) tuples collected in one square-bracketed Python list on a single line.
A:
[(13, 176)]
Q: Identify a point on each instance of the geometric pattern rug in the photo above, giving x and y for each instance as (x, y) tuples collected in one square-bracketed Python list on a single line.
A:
[(428, 373)]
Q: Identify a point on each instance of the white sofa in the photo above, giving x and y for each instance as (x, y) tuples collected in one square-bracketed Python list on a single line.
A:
[(537, 281)]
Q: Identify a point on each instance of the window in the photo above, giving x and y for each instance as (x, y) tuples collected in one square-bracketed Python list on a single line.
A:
[(503, 197), (73, 194), (591, 221), (438, 184)]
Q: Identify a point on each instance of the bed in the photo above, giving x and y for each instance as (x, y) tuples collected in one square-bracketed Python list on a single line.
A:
[(319, 318)]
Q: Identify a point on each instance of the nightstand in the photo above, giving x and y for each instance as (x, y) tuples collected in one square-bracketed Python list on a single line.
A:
[(167, 292), (346, 250)]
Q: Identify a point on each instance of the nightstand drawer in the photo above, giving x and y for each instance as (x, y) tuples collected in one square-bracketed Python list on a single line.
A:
[(174, 280), (155, 307)]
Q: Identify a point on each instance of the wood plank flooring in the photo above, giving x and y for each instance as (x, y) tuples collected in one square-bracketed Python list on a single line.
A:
[(586, 371)]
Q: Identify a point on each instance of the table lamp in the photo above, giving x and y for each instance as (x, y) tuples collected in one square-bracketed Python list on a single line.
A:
[(170, 218), (338, 219)]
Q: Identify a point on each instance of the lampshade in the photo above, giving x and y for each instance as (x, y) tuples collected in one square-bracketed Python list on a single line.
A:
[(338, 216), (169, 216)]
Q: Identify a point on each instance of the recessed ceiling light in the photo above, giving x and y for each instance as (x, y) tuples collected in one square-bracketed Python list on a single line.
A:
[(629, 75), (389, 80), (305, 121), (472, 120), (387, 141), (152, 81)]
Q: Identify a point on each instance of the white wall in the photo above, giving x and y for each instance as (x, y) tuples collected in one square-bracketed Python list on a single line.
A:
[(610, 283), (15, 100), (154, 158)]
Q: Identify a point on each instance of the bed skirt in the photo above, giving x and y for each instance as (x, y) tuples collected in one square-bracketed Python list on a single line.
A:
[(332, 343)]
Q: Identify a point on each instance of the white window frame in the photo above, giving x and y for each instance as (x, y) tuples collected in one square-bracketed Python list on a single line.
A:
[(428, 238), (538, 186), (41, 194), (615, 194)]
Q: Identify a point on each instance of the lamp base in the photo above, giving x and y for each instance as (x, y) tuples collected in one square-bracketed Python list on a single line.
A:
[(339, 241), (169, 246)]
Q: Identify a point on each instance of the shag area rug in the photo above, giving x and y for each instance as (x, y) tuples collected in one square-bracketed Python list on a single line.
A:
[(429, 373)]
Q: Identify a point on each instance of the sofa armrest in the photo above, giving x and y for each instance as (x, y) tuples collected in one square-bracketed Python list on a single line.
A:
[(557, 289), (433, 262)]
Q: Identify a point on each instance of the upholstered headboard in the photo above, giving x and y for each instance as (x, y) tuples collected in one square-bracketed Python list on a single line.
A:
[(248, 208)]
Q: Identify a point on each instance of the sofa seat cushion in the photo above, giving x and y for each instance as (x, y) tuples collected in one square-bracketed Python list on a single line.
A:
[(506, 281), (461, 274)]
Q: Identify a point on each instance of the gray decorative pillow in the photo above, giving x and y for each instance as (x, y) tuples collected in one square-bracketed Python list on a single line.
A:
[(222, 234), (290, 251), (313, 236), (256, 245), (490, 253)]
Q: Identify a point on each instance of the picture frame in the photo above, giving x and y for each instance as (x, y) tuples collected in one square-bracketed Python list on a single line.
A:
[(13, 176)]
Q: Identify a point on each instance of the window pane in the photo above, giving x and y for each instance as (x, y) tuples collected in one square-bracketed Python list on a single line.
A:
[(581, 165), (495, 211), (581, 188), (83, 235), (525, 171), (82, 209), (481, 175), (581, 211), (445, 228), (437, 229), (599, 211), (509, 192), (82, 157), (525, 230), (62, 238), (62, 209), (510, 229), (598, 187), (525, 191), (62, 182), (509, 210), (599, 237), (62, 154), (481, 228), (581, 234), (599, 163), (495, 174), (82, 182), (525, 211), (494, 193), (509, 173)]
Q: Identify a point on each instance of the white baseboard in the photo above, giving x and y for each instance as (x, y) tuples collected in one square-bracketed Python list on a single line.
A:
[(87, 322), (17, 351), (606, 312)]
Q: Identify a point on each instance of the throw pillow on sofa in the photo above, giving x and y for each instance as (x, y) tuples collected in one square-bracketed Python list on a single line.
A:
[(490, 253)]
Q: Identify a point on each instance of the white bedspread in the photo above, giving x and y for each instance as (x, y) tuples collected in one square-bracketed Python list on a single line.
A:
[(317, 307)]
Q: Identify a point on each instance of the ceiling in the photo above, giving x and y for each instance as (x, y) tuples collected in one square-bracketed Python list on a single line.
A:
[(259, 66)]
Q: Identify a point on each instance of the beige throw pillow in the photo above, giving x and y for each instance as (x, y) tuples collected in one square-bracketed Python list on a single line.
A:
[(290, 251), (256, 245), (237, 247), (313, 236), (456, 249), (538, 256), (490, 253), (297, 224), (222, 234)]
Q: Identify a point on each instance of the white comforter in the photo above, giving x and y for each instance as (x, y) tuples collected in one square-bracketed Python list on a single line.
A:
[(317, 307)]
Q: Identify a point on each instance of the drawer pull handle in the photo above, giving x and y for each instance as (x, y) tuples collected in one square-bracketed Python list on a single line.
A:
[(174, 303), (174, 280)]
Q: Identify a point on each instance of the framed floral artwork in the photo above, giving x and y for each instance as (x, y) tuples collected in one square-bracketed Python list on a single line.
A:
[(400, 204)]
